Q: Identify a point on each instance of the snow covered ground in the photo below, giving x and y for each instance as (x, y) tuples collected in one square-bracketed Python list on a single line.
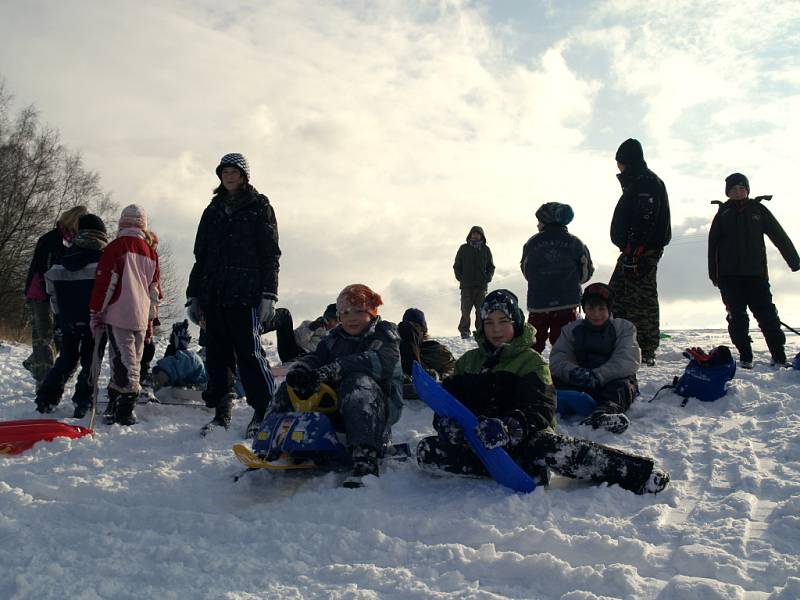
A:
[(152, 511)]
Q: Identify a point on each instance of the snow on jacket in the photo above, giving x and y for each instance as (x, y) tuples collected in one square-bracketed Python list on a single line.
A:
[(736, 241), (236, 252), (70, 285), (512, 381), (555, 263), (308, 338), (474, 266), (375, 353), (623, 361), (641, 217), (126, 290)]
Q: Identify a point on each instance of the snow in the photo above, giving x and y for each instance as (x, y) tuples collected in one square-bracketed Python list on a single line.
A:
[(152, 511)]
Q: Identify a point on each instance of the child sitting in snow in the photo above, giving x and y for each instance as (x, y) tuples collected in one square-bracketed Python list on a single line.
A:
[(360, 359), (124, 302), (180, 366), (293, 343), (507, 385), (599, 355), (415, 345)]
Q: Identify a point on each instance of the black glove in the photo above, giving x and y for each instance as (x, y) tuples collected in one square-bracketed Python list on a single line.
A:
[(304, 381), (449, 430), (492, 432), (583, 378)]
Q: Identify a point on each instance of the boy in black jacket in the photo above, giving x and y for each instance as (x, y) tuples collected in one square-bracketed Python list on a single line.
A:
[(737, 264), (69, 285)]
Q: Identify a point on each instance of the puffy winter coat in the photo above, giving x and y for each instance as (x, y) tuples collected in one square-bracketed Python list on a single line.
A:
[(70, 286), (236, 252), (736, 241), (641, 217), (511, 381), (183, 368), (48, 252), (582, 344), (474, 266), (375, 353), (126, 289), (555, 263)]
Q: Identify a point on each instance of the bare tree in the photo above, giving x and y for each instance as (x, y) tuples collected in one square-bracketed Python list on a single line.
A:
[(39, 180), (171, 307)]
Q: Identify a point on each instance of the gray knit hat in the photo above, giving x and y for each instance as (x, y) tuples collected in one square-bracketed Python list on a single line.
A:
[(234, 159)]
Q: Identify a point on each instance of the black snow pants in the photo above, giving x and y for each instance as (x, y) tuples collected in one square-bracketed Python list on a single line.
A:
[(741, 293), (570, 457)]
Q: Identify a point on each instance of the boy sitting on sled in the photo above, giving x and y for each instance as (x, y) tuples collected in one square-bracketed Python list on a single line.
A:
[(508, 386), (180, 366), (360, 360)]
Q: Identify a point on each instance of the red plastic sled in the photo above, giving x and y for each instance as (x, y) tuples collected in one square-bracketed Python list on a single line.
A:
[(18, 436)]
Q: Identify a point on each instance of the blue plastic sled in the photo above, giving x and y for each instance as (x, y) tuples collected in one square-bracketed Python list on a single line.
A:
[(497, 461), (572, 402)]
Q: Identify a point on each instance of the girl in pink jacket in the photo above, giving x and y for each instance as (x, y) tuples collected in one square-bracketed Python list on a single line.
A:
[(124, 302)]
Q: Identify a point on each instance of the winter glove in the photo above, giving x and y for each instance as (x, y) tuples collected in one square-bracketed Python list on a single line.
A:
[(95, 322), (304, 381), (583, 378), (193, 310), (266, 310), (330, 373), (492, 432), (697, 354), (449, 430)]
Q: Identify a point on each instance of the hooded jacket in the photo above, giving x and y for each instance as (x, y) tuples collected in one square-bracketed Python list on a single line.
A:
[(70, 283), (474, 266), (736, 241), (555, 263), (513, 380), (236, 252)]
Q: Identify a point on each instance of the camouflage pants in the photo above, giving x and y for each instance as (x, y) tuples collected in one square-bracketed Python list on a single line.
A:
[(43, 350), (635, 298), (471, 297)]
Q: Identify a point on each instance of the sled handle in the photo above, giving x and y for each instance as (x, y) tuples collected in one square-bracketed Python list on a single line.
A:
[(324, 400)]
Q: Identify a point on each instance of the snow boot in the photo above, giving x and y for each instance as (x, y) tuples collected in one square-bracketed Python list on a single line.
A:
[(657, 481), (612, 422), (123, 413), (746, 364), (254, 425), (111, 407), (45, 407), (365, 462), (222, 415), (81, 408)]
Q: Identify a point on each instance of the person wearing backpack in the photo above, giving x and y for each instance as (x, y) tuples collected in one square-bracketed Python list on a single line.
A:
[(599, 355), (737, 265)]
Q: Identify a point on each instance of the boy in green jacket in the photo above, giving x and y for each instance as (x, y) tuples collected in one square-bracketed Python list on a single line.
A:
[(508, 386)]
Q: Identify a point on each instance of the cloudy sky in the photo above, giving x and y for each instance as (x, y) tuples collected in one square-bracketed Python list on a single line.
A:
[(381, 131)]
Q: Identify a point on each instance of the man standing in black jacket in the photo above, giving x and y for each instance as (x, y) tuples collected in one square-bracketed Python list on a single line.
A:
[(737, 264), (640, 228), (233, 288)]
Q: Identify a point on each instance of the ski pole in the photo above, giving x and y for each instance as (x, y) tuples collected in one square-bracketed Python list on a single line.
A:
[(95, 375), (790, 328)]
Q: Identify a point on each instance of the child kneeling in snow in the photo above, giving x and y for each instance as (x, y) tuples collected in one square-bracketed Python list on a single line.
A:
[(124, 302), (180, 366), (508, 386), (599, 355), (360, 359)]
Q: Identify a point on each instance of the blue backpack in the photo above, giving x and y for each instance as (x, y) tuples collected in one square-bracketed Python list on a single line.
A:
[(706, 375)]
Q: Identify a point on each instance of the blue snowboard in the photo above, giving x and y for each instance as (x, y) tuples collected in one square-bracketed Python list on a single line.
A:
[(497, 461)]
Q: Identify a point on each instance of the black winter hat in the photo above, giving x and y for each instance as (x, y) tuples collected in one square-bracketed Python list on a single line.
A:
[(630, 152), (234, 159), (415, 315), (506, 302), (736, 179), (90, 221), (330, 312), (599, 291), (556, 213)]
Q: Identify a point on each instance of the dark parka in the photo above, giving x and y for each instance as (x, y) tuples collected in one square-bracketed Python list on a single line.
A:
[(736, 241), (641, 217), (474, 267), (49, 250), (375, 353), (70, 286), (555, 263), (236, 252)]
